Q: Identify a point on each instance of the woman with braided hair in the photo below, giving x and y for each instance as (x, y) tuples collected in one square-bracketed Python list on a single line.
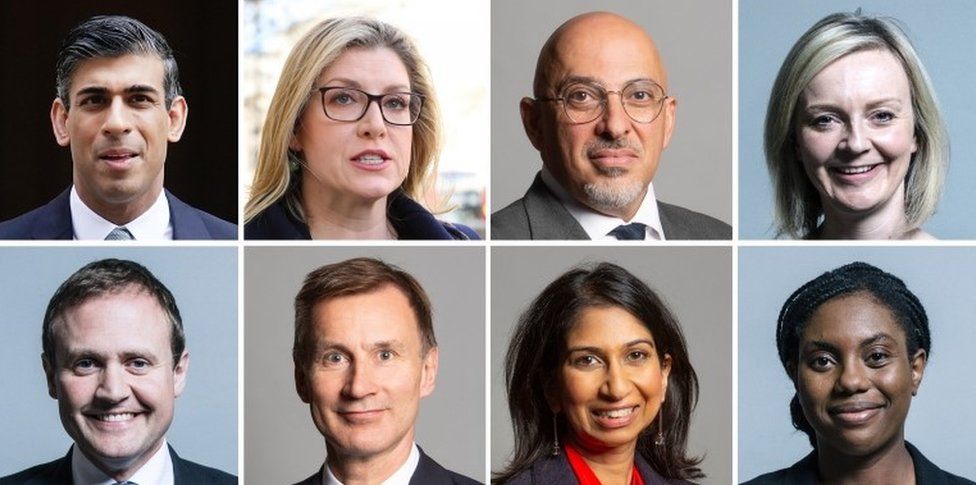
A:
[(855, 342)]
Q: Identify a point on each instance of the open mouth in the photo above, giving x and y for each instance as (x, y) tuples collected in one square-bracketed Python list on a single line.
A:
[(370, 160), (616, 417), (114, 417), (851, 171)]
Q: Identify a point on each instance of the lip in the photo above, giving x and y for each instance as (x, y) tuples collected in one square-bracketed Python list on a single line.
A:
[(112, 420), (855, 414), (614, 422), (854, 174), (613, 157), (372, 165), (361, 417), (119, 158)]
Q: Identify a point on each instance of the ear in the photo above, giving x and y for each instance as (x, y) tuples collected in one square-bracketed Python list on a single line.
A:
[(59, 122), (670, 110), (179, 373), (530, 121), (428, 373), (301, 383), (178, 112), (665, 372), (52, 388), (918, 369)]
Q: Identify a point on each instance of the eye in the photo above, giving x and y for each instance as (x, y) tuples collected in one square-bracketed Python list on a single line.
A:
[(385, 355), (139, 365), (395, 102), (582, 96), (822, 121), (637, 356), (141, 99), (821, 362), (877, 358), (93, 100), (342, 97), (333, 359), (586, 361), (883, 117)]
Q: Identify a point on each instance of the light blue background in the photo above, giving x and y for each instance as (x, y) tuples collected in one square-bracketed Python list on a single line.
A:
[(942, 34), (204, 283), (942, 419)]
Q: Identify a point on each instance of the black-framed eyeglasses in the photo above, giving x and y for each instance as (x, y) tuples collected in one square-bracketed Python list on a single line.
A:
[(584, 102), (350, 104)]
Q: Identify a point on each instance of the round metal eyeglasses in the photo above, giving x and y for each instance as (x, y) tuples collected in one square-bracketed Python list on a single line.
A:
[(350, 104), (584, 102)]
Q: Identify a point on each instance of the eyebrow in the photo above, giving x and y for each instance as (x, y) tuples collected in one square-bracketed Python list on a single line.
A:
[(325, 345), (871, 104), (592, 80), (865, 342), (352, 83), (598, 350), (135, 88)]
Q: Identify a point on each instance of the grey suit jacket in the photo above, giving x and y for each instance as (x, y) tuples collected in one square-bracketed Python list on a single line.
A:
[(540, 215)]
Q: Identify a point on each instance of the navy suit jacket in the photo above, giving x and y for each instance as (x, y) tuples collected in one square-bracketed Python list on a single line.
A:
[(53, 221), (540, 215), (58, 472), (556, 469), (804, 472), (428, 472)]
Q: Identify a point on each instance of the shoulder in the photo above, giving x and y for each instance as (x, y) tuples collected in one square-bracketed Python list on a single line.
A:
[(50, 221), (682, 223), (511, 222), (20, 227), (928, 472), (275, 222), (552, 469), (430, 472), (802, 472), (51, 473), (192, 223), (413, 221), (188, 472)]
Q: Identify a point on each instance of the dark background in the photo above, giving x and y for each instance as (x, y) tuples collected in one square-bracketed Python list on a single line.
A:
[(201, 169)]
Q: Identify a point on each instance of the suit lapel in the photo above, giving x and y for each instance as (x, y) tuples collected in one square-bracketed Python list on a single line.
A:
[(54, 221), (187, 224), (548, 219)]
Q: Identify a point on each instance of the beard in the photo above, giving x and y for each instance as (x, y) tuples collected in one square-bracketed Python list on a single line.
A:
[(615, 193)]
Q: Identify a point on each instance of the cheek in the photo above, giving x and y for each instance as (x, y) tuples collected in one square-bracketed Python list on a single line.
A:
[(814, 148), (897, 143)]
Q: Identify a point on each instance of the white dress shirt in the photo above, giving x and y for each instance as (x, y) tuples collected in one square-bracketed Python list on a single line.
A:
[(157, 471), (400, 477), (152, 225), (597, 225)]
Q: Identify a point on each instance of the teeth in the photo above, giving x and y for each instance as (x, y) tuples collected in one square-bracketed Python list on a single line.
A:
[(115, 417), (616, 413), (854, 170), (371, 159)]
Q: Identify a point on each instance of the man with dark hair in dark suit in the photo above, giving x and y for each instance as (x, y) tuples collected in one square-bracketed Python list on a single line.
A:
[(118, 106), (115, 358)]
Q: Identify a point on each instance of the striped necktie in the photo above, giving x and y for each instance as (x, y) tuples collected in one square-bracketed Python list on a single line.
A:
[(629, 232)]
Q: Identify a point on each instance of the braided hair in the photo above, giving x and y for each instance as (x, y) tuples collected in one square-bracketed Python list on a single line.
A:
[(886, 288)]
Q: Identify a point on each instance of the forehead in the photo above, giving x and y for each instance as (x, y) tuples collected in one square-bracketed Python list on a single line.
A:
[(869, 73), (370, 68), (612, 53), (116, 73), (383, 314), (852, 318), (606, 326), (116, 320)]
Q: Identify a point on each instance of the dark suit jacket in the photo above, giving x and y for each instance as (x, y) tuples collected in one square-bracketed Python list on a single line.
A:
[(53, 221), (409, 218), (557, 470), (540, 215), (804, 472), (58, 472), (428, 472)]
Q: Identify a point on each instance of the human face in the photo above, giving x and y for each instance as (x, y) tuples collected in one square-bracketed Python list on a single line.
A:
[(114, 378), (356, 160), (612, 379), (605, 164), (118, 127), (367, 373), (854, 377), (856, 132)]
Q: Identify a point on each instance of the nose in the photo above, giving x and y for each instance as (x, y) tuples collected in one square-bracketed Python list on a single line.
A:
[(614, 123), (617, 384), (372, 125), (856, 141), (112, 384), (360, 382), (852, 379), (117, 120)]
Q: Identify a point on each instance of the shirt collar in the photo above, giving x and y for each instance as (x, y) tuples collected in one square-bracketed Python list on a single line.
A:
[(157, 471), (597, 225), (154, 224), (401, 476)]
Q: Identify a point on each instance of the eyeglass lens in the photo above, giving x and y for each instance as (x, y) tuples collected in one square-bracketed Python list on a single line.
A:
[(642, 101), (348, 104)]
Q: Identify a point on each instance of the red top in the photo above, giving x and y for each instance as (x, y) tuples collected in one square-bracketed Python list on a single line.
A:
[(585, 475)]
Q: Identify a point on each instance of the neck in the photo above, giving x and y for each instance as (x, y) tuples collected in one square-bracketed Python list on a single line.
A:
[(885, 222), (119, 213), (121, 469), (331, 216), (890, 465), (371, 469), (612, 466)]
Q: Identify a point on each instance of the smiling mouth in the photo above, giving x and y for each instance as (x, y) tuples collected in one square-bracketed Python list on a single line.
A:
[(854, 170), (615, 418), (370, 160), (114, 417)]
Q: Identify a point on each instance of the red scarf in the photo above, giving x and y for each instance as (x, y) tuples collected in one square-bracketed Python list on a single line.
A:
[(585, 476)]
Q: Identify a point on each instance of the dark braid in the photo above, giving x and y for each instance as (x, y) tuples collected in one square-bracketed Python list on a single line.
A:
[(886, 288)]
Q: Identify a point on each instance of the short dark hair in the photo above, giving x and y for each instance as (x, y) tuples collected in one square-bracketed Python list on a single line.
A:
[(540, 339), (110, 276), (353, 277), (114, 36), (885, 288)]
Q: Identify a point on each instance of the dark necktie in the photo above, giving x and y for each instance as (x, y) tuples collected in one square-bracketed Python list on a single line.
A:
[(629, 232), (119, 234)]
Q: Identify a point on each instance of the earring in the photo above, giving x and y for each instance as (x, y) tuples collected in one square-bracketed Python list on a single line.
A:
[(555, 437), (659, 437)]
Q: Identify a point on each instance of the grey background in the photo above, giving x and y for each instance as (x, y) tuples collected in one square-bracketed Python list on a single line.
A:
[(940, 422), (282, 444), (942, 35), (695, 41), (204, 283), (696, 283)]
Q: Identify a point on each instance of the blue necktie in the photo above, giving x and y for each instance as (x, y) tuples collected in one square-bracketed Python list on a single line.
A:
[(629, 232)]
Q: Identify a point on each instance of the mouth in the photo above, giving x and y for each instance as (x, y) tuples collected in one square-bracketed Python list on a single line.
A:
[(110, 421), (118, 158), (856, 414), (614, 417), (371, 160), (361, 417), (854, 174), (612, 157)]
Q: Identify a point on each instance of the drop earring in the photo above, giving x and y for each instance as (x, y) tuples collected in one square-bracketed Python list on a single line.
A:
[(659, 437), (555, 436)]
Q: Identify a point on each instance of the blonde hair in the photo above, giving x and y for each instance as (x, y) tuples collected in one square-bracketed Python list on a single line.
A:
[(798, 205), (316, 50)]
